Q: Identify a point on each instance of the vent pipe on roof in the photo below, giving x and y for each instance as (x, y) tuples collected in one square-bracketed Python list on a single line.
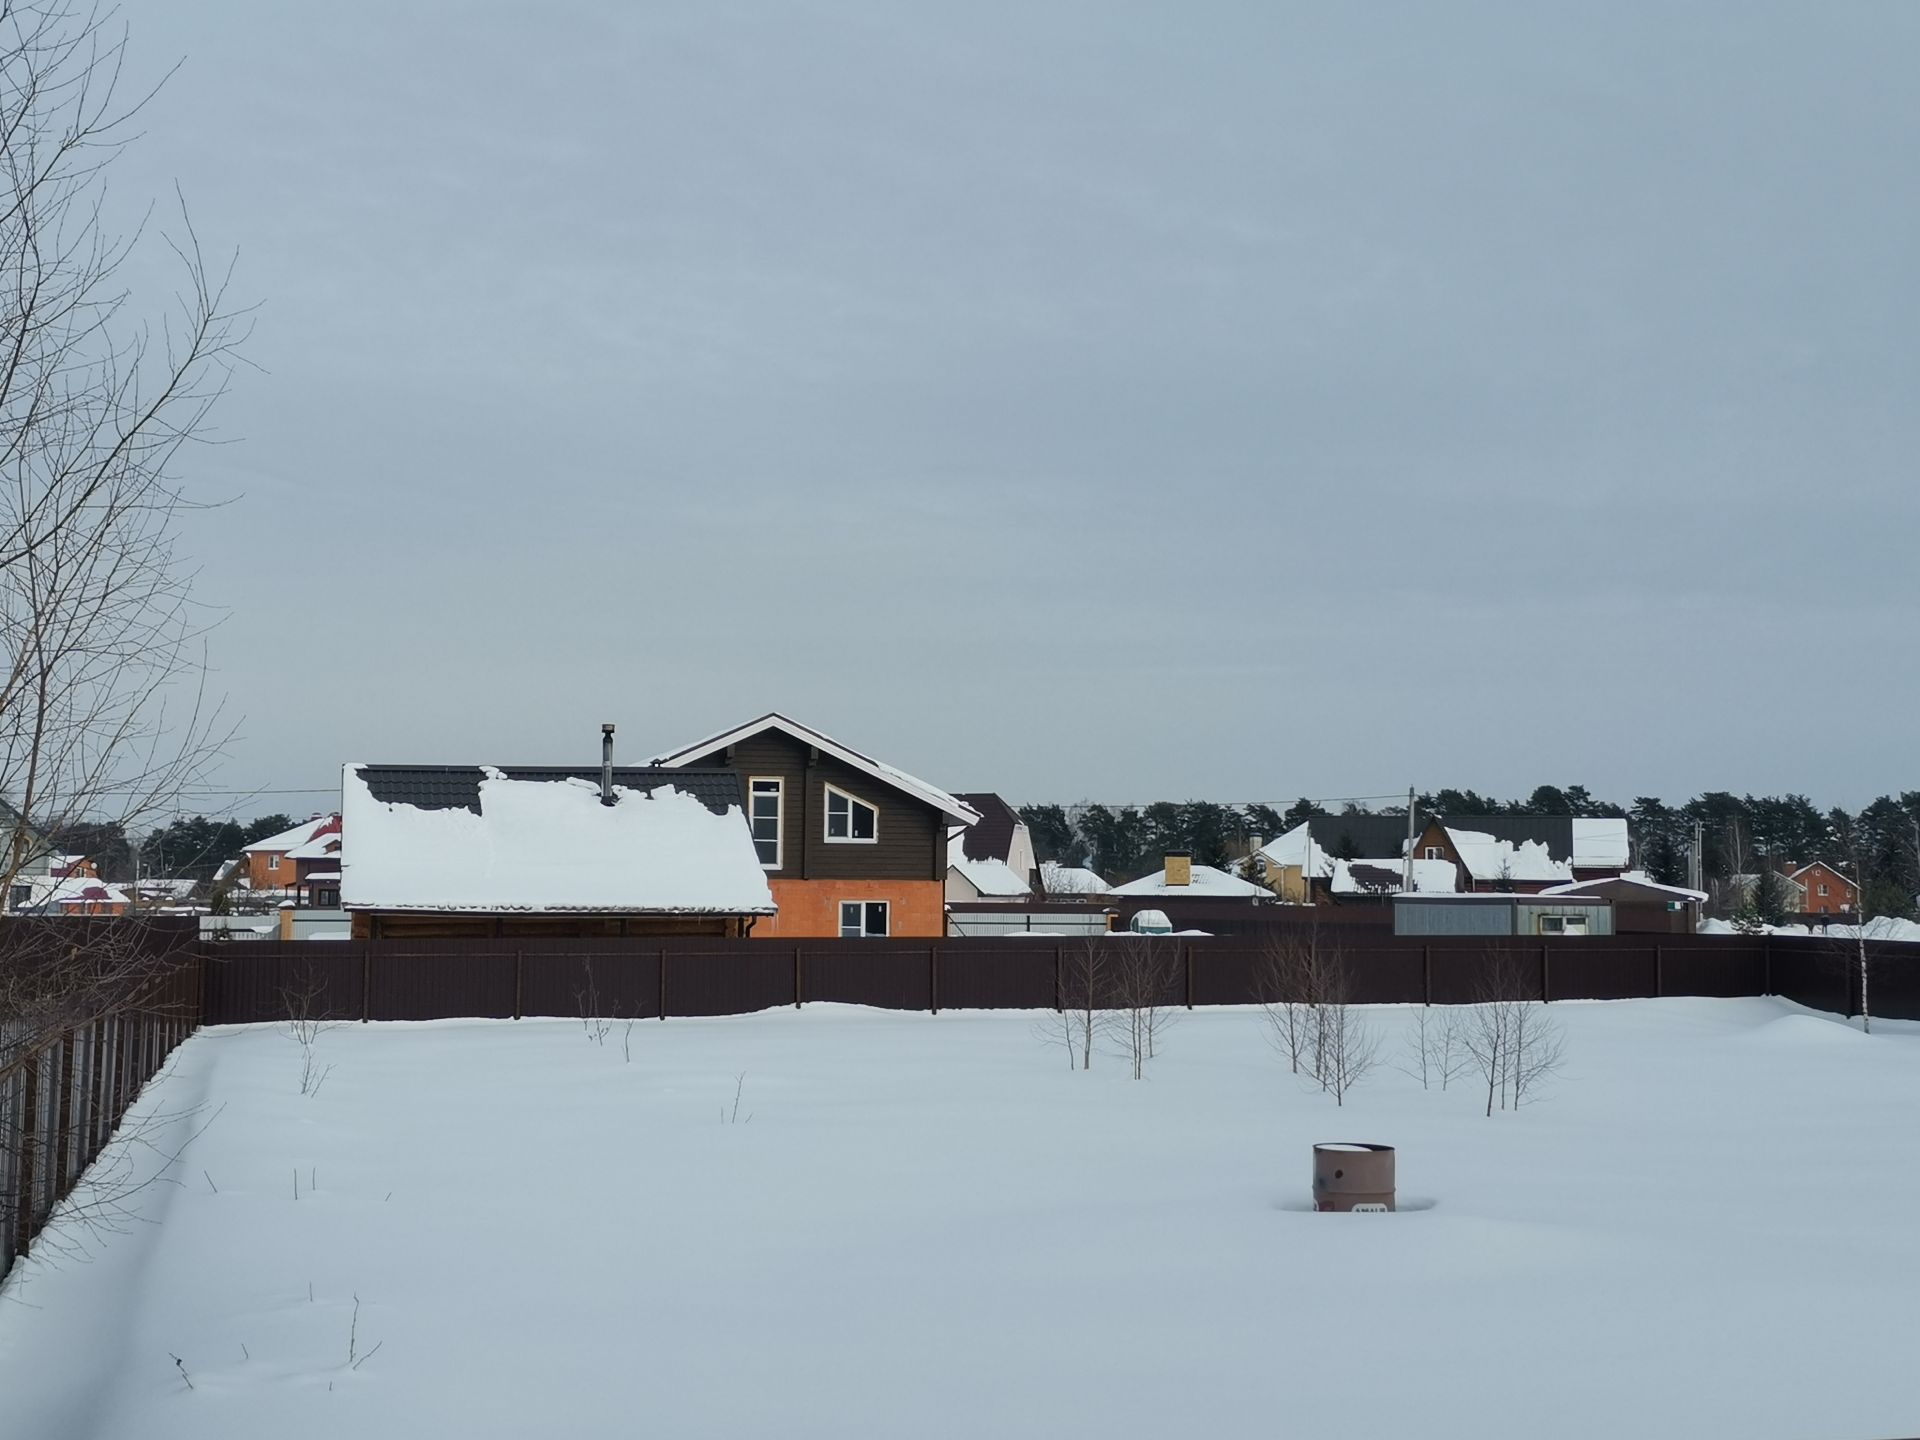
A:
[(606, 764)]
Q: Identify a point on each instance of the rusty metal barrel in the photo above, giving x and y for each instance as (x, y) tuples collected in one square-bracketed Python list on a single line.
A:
[(1353, 1177)]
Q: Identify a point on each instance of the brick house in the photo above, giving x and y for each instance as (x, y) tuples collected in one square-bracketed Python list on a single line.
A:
[(851, 846), (282, 862), (1827, 891)]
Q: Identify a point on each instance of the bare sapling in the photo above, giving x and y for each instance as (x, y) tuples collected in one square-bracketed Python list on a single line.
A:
[(587, 998), (1345, 1048), (305, 1002), (1143, 972), (1086, 990), (1288, 981), (732, 1117), (1515, 1045), (1434, 1052)]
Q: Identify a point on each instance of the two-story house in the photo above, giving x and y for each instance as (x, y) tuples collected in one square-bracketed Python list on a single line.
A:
[(1827, 891), (851, 846), (284, 862)]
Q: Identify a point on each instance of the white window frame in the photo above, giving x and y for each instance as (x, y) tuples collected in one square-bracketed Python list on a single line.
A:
[(1564, 925), (1823, 889), (779, 782), (1435, 852), (865, 934), (826, 818), (273, 863)]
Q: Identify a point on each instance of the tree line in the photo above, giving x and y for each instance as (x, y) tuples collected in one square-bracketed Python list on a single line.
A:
[(1739, 834), (192, 847)]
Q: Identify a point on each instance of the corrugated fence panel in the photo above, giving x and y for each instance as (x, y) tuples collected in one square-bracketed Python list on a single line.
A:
[(1722, 968), (572, 979), (724, 978), (893, 975), (1595, 970), (1229, 973), (997, 974), (1810, 973), (248, 982), (1380, 975), (432, 980)]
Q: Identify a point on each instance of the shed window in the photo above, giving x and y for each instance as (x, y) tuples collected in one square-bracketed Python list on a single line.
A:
[(1563, 924), (850, 820), (863, 919), (766, 795)]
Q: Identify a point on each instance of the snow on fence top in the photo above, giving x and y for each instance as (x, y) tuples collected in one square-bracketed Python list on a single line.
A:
[(550, 845)]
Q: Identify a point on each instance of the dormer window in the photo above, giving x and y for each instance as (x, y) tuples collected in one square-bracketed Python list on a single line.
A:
[(850, 820)]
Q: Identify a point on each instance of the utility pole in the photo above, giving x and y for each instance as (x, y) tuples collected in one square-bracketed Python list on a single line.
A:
[(1406, 867)]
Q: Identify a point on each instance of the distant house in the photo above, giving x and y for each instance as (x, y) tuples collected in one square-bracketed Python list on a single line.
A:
[(849, 845), (1826, 891), (1536, 849), (1180, 878), (1071, 882), (81, 895), (1301, 871), (285, 863), (1641, 904), (442, 850), (991, 859), (26, 861)]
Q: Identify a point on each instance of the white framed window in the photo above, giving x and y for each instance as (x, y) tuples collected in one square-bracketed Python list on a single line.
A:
[(1823, 889), (1563, 924), (273, 862), (766, 807), (1435, 852), (864, 919), (850, 820)]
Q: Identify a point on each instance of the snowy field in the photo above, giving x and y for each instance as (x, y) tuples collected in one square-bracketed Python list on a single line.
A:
[(928, 1225)]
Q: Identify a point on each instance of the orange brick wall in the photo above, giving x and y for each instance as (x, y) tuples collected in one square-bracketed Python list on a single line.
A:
[(1839, 897), (811, 908), (261, 878)]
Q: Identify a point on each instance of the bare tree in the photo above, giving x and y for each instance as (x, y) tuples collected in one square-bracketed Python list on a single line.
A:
[(1143, 971), (1288, 981), (103, 712), (1514, 1043), (1434, 1048), (1348, 1049), (305, 1002), (1086, 985)]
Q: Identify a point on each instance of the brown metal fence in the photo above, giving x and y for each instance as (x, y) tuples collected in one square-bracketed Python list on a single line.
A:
[(62, 1095)]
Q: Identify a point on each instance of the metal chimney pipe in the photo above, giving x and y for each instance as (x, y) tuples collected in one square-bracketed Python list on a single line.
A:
[(606, 764)]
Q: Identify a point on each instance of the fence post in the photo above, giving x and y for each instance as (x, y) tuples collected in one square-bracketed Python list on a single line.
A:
[(1766, 966), (933, 977), (1426, 974), (23, 1188), (1059, 989), (663, 982), (519, 982), (1189, 949), (1546, 975), (797, 978), (1659, 971), (63, 1114), (366, 981)]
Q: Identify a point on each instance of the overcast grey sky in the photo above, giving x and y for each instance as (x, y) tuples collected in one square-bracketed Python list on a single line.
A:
[(1074, 400)]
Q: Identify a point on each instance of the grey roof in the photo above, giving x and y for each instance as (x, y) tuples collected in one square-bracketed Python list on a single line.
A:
[(457, 787), (991, 836)]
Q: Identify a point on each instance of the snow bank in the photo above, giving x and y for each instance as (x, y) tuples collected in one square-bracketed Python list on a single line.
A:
[(930, 1226)]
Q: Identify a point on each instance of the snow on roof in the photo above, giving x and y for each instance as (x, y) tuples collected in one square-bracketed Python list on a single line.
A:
[(1430, 877), (899, 779), (992, 878), (1212, 883), (1600, 843), (1297, 847), (81, 890), (550, 845), (1638, 878), (306, 830), (1489, 859), (320, 847), (1058, 879)]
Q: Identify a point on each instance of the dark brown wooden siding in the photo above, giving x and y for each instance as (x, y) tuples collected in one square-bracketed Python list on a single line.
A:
[(912, 835)]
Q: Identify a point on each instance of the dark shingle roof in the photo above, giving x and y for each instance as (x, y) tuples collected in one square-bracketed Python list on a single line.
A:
[(457, 787), (991, 837), (1380, 836)]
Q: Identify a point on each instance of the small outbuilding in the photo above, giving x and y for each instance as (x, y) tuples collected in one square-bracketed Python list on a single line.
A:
[(1641, 904), (1547, 916)]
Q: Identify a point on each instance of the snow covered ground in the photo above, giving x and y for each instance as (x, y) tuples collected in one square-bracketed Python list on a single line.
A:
[(928, 1225)]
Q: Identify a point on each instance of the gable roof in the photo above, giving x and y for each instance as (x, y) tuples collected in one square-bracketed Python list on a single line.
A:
[(1385, 876), (948, 805), (449, 787), (545, 844), (1832, 870), (991, 836), (1058, 879), (1208, 881), (300, 834), (1590, 842), (1488, 858), (1637, 880)]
